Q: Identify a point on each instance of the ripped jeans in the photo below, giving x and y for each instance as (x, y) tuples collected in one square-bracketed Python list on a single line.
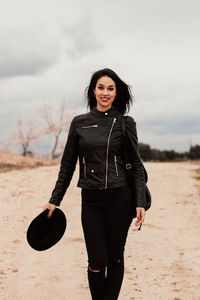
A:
[(106, 218)]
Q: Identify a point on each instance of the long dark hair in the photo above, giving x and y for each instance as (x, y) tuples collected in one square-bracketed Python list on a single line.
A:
[(124, 96)]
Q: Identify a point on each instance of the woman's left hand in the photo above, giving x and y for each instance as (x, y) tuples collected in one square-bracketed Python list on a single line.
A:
[(140, 215)]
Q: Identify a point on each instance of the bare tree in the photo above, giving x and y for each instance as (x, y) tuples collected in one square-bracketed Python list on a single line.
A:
[(25, 134), (56, 121)]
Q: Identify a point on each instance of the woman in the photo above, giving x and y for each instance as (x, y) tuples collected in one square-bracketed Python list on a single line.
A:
[(95, 137)]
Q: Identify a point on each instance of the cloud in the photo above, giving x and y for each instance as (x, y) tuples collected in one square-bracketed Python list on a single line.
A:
[(27, 53), (43, 34), (82, 38)]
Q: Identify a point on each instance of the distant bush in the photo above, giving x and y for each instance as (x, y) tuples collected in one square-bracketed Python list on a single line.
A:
[(194, 152), (149, 154)]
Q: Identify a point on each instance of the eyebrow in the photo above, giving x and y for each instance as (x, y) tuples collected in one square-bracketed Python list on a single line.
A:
[(111, 85)]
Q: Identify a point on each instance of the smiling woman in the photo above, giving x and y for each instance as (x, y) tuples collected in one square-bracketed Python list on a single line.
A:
[(107, 200), (107, 89)]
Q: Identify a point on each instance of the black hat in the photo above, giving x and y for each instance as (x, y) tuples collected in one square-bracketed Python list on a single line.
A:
[(44, 232)]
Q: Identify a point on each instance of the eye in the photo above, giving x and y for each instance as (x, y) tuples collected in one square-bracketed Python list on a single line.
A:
[(111, 89)]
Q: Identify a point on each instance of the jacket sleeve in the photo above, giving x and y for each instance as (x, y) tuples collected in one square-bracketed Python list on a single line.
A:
[(138, 168), (67, 166)]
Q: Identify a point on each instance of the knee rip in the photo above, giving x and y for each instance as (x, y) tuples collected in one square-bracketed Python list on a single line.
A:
[(117, 262), (96, 271)]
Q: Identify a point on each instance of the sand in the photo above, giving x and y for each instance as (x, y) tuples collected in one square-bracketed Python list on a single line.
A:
[(162, 261)]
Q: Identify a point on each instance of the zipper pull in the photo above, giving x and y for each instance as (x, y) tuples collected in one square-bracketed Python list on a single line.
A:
[(84, 166), (89, 126), (116, 169)]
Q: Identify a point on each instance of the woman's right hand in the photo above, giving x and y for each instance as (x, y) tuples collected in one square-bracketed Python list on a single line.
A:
[(51, 208)]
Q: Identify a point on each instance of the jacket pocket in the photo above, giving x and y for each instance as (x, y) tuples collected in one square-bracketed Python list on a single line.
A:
[(90, 170), (116, 167)]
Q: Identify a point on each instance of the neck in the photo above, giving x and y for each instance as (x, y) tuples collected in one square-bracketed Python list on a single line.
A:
[(102, 108)]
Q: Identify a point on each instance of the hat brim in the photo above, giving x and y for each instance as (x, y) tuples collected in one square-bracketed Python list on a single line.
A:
[(44, 232)]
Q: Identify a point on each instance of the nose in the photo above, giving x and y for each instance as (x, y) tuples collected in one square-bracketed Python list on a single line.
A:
[(105, 92)]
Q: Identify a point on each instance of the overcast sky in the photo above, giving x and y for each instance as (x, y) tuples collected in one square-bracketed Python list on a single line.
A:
[(49, 50)]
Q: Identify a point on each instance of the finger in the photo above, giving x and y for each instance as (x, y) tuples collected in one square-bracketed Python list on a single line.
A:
[(50, 213), (143, 216), (137, 222), (138, 214), (141, 220)]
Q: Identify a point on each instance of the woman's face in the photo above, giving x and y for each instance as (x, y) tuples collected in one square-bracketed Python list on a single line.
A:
[(105, 92)]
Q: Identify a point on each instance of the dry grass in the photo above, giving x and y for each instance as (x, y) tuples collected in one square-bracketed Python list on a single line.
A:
[(197, 177), (10, 162), (198, 172)]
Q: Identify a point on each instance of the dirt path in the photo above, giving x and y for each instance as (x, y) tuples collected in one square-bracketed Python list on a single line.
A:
[(162, 261)]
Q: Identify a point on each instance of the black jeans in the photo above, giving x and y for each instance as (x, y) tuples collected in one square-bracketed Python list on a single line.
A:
[(106, 218)]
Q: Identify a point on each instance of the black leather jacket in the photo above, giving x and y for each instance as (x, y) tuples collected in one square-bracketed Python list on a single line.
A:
[(95, 138)]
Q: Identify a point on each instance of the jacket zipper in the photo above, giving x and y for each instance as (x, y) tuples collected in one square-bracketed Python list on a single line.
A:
[(89, 126), (108, 141), (115, 159), (84, 165)]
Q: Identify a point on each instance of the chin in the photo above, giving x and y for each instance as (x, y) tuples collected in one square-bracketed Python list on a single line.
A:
[(105, 104)]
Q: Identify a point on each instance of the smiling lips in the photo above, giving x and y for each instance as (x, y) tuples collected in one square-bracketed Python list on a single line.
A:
[(104, 99)]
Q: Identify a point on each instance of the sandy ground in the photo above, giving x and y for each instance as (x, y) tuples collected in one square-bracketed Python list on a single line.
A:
[(162, 261)]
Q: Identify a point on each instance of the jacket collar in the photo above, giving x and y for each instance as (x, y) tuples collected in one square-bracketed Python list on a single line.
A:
[(102, 114)]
